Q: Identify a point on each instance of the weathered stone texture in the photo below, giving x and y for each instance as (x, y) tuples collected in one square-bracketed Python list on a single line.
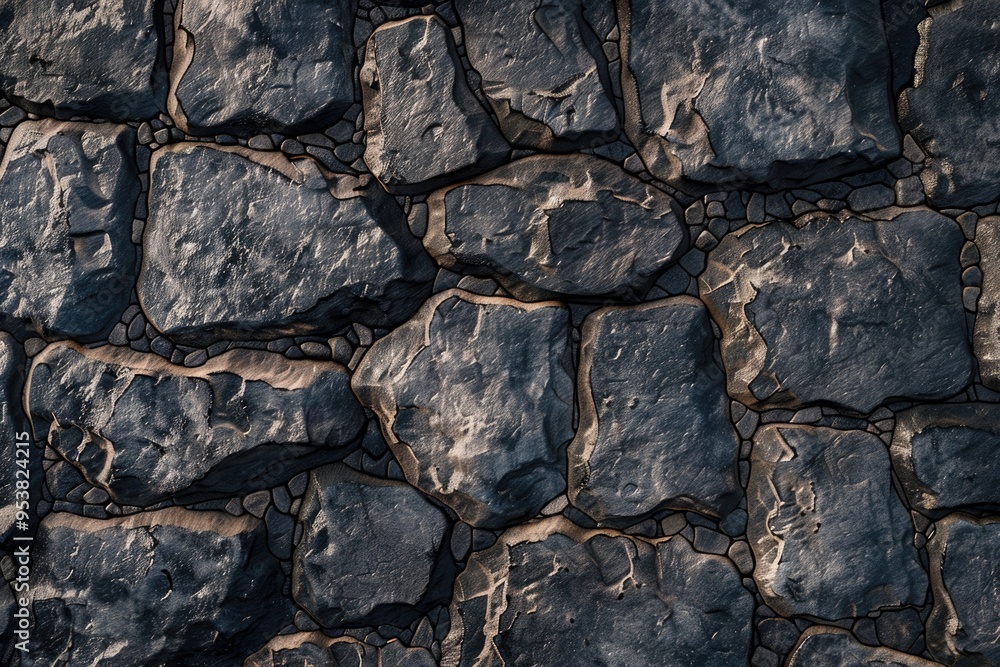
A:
[(550, 593), (276, 248), (314, 649), (474, 395), (24, 465), (822, 646), (67, 195), (654, 416), (576, 227), (830, 537), (987, 330), (248, 66), (445, 133), (543, 71), (737, 92), (845, 312), (160, 588), (373, 551), (145, 430), (100, 57)]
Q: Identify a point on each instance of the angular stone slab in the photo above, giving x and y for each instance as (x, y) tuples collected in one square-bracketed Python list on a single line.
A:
[(736, 93), (278, 66), (424, 125), (823, 646), (965, 579), (145, 430), (98, 58), (373, 551), (277, 248), (654, 416), (574, 226), (551, 593), (474, 395), (543, 71), (850, 313), (830, 537), (314, 649), (953, 106), (67, 197), (986, 337), (168, 587), (948, 456)]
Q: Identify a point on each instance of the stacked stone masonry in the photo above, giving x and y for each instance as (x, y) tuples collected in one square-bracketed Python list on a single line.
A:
[(389, 333)]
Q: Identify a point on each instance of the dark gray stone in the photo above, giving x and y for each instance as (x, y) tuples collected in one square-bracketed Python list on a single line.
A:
[(145, 430), (170, 587), (551, 593), (474, 395), (986, 336), (737, 92), (823, 646), (830, 536), (543, 71), (574, 226), (373, 551), (948, 456), (965, 579), (951, 109), (654, 416), (847, 312), (99, 57), (279, 66), (67, 195), (277, 248), (22, 463), (424, 126), (314, 649)]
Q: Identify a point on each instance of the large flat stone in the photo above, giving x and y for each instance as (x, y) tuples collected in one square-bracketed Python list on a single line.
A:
[(736, 92), (823, 646), (844, 312), (474, 395), (373, 551), (277, 248), (654, 416), (543, 71), (576, 226), (953, 106), (145, 430), (986, 337), (551, 593), (424, 125), (99, 57), (67, 197), (171, 587), (830, 536), (965, 578), (948, 456), (278, 66), (314, 649)]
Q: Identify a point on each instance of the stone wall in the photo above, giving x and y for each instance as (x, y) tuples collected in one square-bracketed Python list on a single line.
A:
[(497, 332)]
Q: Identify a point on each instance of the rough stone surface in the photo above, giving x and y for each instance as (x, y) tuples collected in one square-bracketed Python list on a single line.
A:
[(822, 646), (953, 106), (295, 65), (543, 71), (128, 592), (654, 428), (577, 227), (445, 133), (965, 579), (551, 593), (314, 649), (987, 330), (948, 456), (474, 395), (11, 386), (67, 195), (373, 551), (145, 430), (99, 57), (738, 92), (849, 313), (830, 537), (278, 248)]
